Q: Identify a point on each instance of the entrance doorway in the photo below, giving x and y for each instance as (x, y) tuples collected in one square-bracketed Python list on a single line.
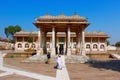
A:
[(61, 49)]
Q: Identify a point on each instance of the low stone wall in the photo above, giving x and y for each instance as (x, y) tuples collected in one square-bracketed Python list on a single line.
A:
[(76, 59), (68, 59), (99, 55), (42, 59)]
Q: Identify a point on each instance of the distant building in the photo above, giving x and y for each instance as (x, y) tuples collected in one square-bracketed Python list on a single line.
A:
[(62, 34), (4, 44)]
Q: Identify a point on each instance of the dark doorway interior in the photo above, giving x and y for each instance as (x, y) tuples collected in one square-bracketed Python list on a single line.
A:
[(61, 49)]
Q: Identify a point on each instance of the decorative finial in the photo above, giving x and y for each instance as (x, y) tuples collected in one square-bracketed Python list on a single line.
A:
[(61, 14), (47, 14), (75, 13)]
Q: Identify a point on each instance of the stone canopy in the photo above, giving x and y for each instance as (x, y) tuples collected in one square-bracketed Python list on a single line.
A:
[(61, 22)]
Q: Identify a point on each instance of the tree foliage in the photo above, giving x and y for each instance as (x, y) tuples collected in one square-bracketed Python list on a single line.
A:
[(117, 44), (6, 32), (11, 30), (108, 42), (30, 39), (17, 28)]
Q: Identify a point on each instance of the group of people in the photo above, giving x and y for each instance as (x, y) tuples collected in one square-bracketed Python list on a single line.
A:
[(61, 50), (58, 61)]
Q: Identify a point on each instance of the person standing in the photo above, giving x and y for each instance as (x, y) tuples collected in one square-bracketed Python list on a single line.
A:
[(48, 58), (13, 47), (59, 63), (56, 50)]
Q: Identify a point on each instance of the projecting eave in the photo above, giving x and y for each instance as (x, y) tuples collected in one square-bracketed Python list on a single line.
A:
[(98, 36), (37, 23)]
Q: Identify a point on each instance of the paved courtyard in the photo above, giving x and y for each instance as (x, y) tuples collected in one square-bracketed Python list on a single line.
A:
[(14, 69), (2, 71), (16, 77), (93, 72), (36, 67)]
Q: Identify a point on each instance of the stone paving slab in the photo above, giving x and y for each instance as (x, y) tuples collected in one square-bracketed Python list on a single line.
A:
[(16, 77), (87, 72), (2, 71), (36, 67), (93, 71), (62, 74), (28, 74)]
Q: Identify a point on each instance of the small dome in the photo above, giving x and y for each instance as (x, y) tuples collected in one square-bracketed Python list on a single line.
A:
[(102, 33), (61, 17)]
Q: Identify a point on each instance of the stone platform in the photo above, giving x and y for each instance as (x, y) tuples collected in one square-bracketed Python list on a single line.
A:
[(68, 59)]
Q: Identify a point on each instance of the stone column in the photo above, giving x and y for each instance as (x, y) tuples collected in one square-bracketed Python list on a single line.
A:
[(44, 43), (71, 43), (83, 44), (23, 43), (39, 48), (91, 46), (78, 42), (105, 47), (23, 39), (68, 42), (98, 45), (16, 40), (53, 41), (56, 47), (1, 59)]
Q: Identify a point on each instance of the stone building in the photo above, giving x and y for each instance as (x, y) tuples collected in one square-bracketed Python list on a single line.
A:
[(4, 44), (62, 34)]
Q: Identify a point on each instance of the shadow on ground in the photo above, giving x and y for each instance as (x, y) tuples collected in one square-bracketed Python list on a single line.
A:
[(109, 64)]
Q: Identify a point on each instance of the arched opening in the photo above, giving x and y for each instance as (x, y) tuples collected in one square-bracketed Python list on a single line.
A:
[(102, 47), (19, 45), (26, 45), (88, 46), (95, 46), (33, 46)]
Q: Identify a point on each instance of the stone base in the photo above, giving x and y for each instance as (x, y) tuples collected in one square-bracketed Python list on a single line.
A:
[(41, 59), (68, 59), (39, 52), (68, 51), (76, 59), (53, 52), (83, 52)]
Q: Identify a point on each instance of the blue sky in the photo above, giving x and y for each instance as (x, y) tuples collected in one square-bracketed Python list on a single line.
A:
[(103, 15)]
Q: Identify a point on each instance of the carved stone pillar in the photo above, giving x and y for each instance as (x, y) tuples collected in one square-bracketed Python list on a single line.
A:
[(39, 48), (78, 42), (53, 41), (83, 44), (68, 42), (56, 46), (44, 43)]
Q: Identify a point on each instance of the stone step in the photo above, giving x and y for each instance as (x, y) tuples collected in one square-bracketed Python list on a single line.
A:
[(68, 59)]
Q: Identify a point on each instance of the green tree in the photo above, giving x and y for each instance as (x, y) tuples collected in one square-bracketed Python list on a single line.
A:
[(30, 39), (11, 30), (6, 32), (117, 44), (108, 42), (17, 28)]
